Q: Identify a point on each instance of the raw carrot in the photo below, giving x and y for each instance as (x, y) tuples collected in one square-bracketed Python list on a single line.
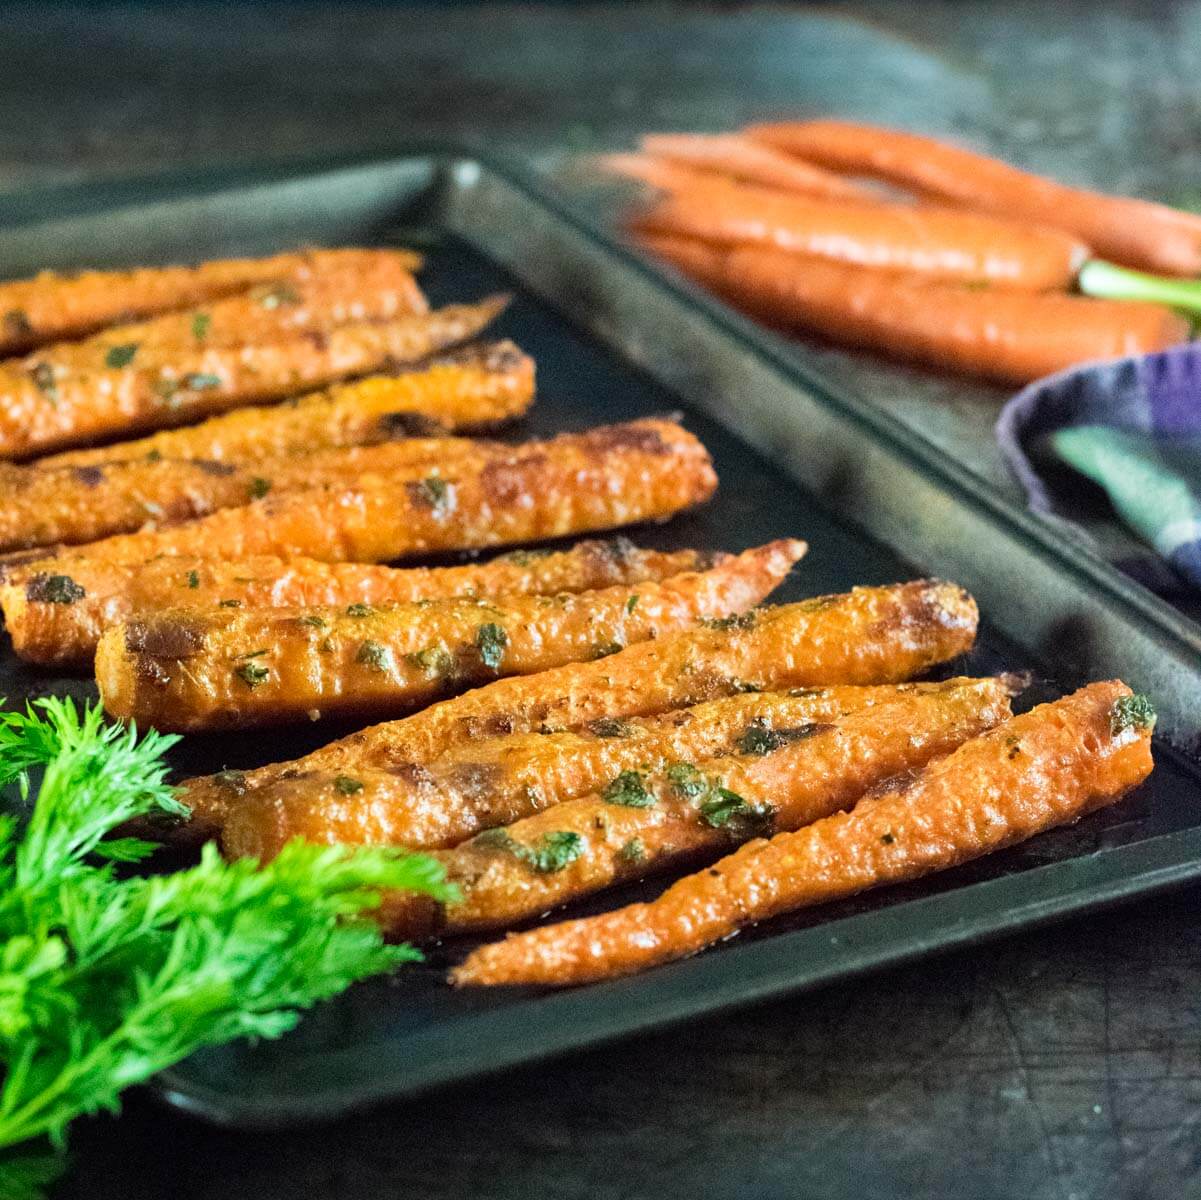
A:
[(937, 244), (49, 409), (643, 823), (869, 635), (1136, 233), (469, 389), (53, 306), (737, 157), (1009, 336), (495, 781), (1048, 767), (189, 669), (377, 286), (45, 629)]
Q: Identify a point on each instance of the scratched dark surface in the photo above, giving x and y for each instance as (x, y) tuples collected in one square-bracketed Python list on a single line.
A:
[(1063, 1064)]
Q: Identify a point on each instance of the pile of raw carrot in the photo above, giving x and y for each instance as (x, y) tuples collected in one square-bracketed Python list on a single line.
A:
[(207, 469), (915, 248)]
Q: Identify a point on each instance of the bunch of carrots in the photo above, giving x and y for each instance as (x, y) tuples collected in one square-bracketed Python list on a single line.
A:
[(207, 475), (916, 248)]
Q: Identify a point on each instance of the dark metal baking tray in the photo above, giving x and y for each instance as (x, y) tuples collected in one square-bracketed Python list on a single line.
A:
[(878, 503)]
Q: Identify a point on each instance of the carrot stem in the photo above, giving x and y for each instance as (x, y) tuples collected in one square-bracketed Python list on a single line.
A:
[(1109, 282)]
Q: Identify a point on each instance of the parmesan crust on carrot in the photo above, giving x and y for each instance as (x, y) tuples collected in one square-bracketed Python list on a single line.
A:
[(869, 635), (642, 822), (52, 306), (193, 669), (1047, 767), (56, 615)]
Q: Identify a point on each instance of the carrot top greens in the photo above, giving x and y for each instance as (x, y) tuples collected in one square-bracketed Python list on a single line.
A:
[(107, 978)]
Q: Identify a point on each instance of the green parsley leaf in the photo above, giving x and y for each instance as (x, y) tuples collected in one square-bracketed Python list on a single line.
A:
[(346, 785), (432, 493), (725, 809), (359, 610), (687, 780), (375, 655), (628, 789), (634, 851), (259, 487), (193, 578), (120, 356), (200, 383), (200, 326), (252, 674), (491, 640), (54, 589), (1131, 712), (632, 603)]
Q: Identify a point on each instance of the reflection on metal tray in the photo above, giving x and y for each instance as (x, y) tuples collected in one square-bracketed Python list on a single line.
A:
[(877, 503)]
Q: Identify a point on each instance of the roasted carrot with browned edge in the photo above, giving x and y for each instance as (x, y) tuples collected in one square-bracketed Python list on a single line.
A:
[(375, 286), (193, 669), (1008, 336), (72, 505), (51, 306), (1137, 233), (1048, 767), (496, 781), (937, 244), (642, 823), (869, 635), (469, 389), (51, 409), (742, 159), (576, 483), (57, 616)]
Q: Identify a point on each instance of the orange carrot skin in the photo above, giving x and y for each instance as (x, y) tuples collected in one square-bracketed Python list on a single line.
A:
[(826, 769), (1045, 768), (496, 781), (576, 483), (1136, 233), (868, 636), (193, 669), (42, 410), (1007, 336), (45, 630), (937, 244), (51, 306), (739, 158), (469, 389), (376, 287), (73, 505)]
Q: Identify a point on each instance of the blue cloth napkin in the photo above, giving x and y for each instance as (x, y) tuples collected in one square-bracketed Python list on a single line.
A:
[(1133, 427)]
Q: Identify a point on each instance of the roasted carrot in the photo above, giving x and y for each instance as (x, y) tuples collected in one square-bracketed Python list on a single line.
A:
[(71, 505), (869, 635), (469, 389), (50, 306), (937, 244), (192, 669), (378, 286), (1009, 336), (737, 157), (643, 823), (1048, 767), (57, 616), (1137, 233), (576, 483), (497, 781), (50, 408)]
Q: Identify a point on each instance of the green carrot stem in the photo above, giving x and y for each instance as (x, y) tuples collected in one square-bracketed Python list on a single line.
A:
[(1104, 280)]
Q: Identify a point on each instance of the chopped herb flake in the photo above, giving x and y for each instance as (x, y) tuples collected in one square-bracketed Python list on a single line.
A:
[(193, 579), (346, 785), (229, 604), (887, 838), (200, 383), (432, 493), (43, 377), (200, 326), (433, 660), (252, 674), (632, 603), (739, 621), (634, 851), (550, 853), (54, 589), (628, 789), (374, 655), (120, 356), (604, 649), (1131, 712), (491, 640), (359, 610), (759, 738), (312, 620), (687, 780), (725, 809), (259, 487), (610, 727)]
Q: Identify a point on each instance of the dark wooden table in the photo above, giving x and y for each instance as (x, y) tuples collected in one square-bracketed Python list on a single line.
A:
[(1063, 1065)]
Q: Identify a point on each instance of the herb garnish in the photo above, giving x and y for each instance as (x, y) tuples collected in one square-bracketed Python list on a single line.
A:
[(634, 851), (432, 493), (44, 378), (628, 789), (632, 603), (200, 326), (374, 655), (193, 579), (491, 640), (259, 487), (54, 589), (120, 356), (550, 853), (359, 610), (1131, 712), (759, 738), (605, 649), (739, 621), (312, 620), (725, 809), (434, 660), (346, 785), (610, 727), (252, 673), (200, 383), (687, 780), (106, 979)]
